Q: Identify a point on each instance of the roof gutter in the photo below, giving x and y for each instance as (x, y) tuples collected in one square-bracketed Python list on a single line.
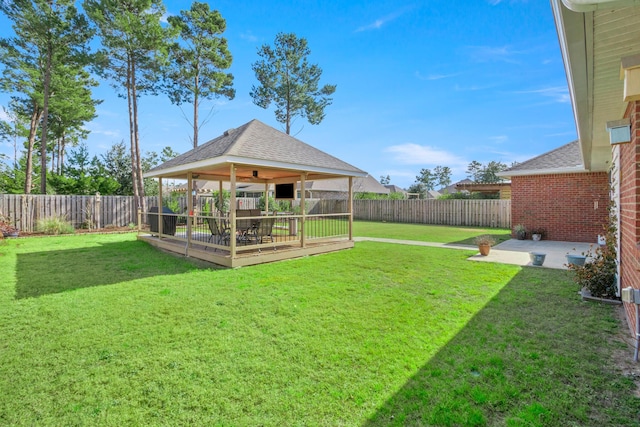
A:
[(576, 65), (592, 5), (557, 171)]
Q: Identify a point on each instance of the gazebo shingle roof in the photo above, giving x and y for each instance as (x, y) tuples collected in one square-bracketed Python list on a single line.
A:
[(257, 141)]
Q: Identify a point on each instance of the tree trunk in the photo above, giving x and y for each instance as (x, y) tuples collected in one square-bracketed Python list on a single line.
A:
[(62, 147), (134, 175), (33, 130), (45, 117), (196, 89), (195, 115), (135, 144)]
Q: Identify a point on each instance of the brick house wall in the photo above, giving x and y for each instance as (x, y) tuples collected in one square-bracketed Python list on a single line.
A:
[(629, 209), (570, 207)]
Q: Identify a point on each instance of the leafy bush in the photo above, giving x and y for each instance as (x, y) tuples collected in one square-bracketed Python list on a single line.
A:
[(599, 275), (172, 202), (55, 225), (472, 196)]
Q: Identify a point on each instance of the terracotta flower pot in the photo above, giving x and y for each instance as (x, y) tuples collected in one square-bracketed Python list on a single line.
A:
[(484, 249)]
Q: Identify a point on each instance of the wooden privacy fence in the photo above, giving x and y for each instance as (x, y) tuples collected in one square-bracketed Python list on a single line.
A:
[(24, 211), (478, 213)]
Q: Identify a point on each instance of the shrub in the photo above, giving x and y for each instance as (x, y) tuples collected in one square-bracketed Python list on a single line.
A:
[(485, 239), (55, 225), (599, 275)]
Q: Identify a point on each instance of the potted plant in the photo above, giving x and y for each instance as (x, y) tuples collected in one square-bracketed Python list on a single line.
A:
[(520, 231), (537, 233), (484, 243), (7, 229)]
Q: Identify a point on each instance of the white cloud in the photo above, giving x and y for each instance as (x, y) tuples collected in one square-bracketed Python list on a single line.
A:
[(380, 22), (414, 154), (557, 93), (499, 139), (110, 133), (4, 116), (551, 135), (493, 54), (471, 88), (436, 76), (248, 36), (164, 17)]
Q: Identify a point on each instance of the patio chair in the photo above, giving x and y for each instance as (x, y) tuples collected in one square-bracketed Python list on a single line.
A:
[(244, 227), (168, 222), (264, 229), (219, 231)]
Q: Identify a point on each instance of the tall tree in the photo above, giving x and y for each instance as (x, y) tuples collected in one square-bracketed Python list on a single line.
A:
[(70, 109), (198, 61), (427, 178), (47, 33), (117, 163), (133, 54), (486, 174), (443, 176), (287, 79), (473, 170), (83, 175), (490, 170)]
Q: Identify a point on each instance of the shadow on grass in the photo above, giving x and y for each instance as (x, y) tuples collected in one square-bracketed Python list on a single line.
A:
[(533, 356), (499, 238), (50, 272)]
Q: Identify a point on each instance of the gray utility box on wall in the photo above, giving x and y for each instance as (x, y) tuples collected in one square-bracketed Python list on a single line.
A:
[(631, 295)]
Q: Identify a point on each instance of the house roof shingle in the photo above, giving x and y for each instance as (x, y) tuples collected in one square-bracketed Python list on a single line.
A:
[(565, 159)]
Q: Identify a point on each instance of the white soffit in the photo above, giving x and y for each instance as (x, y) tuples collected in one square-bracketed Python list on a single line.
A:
[(593, 45), (591, 5)]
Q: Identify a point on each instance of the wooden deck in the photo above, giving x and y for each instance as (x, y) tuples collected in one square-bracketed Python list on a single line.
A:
[(246, 254)]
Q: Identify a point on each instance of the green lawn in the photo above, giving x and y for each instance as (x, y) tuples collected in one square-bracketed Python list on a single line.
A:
[(427, 233), (105, 330)]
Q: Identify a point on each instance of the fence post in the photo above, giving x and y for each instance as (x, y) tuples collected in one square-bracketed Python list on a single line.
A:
[(96, 210)]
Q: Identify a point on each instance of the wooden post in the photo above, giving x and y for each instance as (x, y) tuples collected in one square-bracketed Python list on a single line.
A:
[(189, 210), (96, 209), (303, 232), (350, 208), (232, 212), (160, 220), (220, 198), (266, 197)]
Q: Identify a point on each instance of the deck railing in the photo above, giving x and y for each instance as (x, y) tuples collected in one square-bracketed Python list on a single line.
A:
[(251, 232)]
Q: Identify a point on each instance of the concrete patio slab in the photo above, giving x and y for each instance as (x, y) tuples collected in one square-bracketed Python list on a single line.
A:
[(517, 252)]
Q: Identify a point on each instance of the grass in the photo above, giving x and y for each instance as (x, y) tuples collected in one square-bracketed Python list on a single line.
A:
[(104, 330), (427, 233)]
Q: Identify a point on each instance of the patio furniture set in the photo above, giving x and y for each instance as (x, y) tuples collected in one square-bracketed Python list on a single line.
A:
[(249, 228)]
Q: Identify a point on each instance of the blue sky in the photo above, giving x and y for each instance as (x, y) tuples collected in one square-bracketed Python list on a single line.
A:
[(418, 84)]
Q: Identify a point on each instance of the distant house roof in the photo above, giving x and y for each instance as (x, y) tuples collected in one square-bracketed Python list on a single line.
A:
[(395, 189), (367, 184), (255, 146), (565, 159), (203, 186), (453, 187), (433, 194)]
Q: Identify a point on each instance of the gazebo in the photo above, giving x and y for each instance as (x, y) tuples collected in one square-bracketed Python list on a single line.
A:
[(258, 154)]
